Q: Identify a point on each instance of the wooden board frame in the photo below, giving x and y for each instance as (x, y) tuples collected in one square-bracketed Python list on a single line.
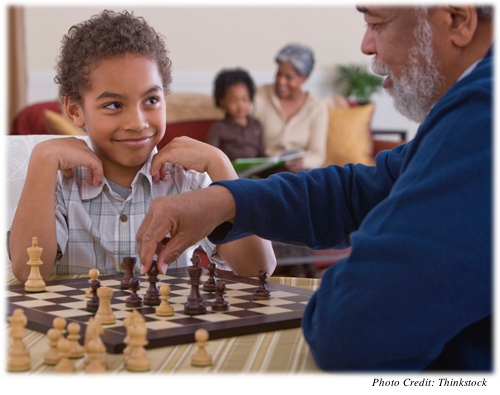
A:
[(113, 336)]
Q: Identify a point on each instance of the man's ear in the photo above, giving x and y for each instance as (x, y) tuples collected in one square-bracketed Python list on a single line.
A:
[(74, 112), (462, 24)]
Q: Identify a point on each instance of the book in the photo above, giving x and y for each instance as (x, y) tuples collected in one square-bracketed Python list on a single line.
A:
[(246, 167)]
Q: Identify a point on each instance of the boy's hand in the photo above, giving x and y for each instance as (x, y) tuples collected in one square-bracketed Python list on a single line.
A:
[(70, 152), (193, 155)]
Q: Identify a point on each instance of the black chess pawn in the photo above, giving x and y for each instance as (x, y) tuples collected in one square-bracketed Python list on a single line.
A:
[(195, 304), (211, 284), (93, 303), (128, 267), (220, 304), (134, 300), (152, 297), (262, 292)]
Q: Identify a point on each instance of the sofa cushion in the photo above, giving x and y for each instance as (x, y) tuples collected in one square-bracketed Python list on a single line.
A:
[(31, 120), (57, 124), (191, 107), (349, 139)]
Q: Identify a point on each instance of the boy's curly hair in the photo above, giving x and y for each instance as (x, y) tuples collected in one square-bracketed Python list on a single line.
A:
[(227, 78), (103, 36)]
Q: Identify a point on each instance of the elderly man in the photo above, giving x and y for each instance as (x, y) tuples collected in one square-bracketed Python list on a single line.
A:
[(415, 292)]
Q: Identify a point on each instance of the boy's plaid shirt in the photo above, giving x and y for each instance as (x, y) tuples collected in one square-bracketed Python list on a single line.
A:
[(96, 227)]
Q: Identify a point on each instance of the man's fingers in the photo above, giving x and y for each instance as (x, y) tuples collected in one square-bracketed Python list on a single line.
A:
[(151, 232), (175, 247), (146, 257), (163, 267)]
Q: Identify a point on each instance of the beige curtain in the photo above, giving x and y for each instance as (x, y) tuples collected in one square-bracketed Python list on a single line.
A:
[(17, 83)]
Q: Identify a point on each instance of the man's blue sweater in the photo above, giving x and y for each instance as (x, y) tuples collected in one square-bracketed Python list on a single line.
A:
[(416, 291)]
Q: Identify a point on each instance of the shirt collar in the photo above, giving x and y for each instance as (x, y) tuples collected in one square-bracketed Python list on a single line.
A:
[(231, 121), (469, 70), (88, 192)]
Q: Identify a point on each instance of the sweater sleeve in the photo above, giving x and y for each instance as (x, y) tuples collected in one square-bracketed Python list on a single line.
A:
[(289, 207)]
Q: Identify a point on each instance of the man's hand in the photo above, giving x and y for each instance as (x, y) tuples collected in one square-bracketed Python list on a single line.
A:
[(188, 217)]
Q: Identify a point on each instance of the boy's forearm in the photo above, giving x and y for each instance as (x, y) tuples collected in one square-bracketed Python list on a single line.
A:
[(35, 216), (248, 256), (220, 168)]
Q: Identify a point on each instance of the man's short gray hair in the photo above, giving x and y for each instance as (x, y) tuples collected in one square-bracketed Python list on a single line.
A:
[(485, 12), (300, 56)]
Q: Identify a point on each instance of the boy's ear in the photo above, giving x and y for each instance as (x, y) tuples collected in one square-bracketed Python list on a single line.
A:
[(74, 112)]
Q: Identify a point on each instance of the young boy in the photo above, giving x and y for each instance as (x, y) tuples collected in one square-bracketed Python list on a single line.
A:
[(85, 200), (238, 135)]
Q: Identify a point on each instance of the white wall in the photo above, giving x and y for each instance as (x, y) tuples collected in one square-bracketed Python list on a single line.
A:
[(203, 40)]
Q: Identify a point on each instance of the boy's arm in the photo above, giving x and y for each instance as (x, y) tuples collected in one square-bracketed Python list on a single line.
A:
[(245, 256), (35, 214)]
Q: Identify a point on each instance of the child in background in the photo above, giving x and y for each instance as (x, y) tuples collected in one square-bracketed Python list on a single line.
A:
[(86, 199), (238, 135)]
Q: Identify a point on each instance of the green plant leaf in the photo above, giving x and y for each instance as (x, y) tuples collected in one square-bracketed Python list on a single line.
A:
[(357, 81)]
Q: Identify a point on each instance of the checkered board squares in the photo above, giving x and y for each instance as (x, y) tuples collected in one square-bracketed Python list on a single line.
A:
[(66, 298)]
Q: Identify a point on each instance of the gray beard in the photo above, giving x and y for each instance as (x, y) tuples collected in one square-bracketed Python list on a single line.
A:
[(416, 90)]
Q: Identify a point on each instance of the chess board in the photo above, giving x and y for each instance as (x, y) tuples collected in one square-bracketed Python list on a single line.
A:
[(66, 298)]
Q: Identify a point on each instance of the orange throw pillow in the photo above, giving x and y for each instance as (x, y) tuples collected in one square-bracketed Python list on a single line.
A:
[(57, 124), (349, 138)]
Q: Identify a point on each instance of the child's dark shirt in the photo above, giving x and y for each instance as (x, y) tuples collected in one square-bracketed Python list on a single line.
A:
[(238, 141)]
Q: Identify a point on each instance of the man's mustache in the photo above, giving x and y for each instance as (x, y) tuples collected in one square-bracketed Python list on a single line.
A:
[(380, 68)]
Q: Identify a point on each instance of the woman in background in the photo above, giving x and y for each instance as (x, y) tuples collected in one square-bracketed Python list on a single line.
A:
[(292, 118)]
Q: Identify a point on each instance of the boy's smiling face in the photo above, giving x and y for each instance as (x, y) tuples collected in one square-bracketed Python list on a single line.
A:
[(123, 113)]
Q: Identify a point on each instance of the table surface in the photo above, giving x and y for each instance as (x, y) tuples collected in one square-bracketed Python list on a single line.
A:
[(284, 351)]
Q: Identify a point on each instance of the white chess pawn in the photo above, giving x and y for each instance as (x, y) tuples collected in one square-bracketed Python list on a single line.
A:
[(64, 365), (60, 324), (201, 357), (76, 350), (35, 282), (18, 358), (52, 356), (164, 309), (93, 273)]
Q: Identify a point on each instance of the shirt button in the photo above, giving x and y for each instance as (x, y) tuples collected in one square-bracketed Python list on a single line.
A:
[(123, 218), (106, 188)]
